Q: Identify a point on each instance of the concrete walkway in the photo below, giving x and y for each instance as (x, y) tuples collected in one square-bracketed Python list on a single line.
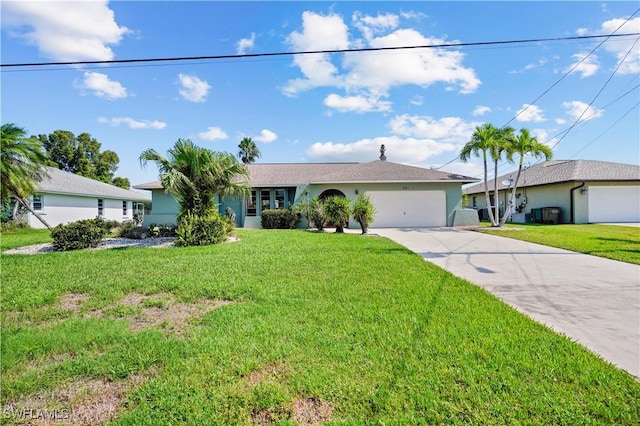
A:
[(593, 300)]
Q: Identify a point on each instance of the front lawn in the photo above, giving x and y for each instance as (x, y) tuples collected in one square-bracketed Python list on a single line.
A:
[(611, 241), (289, 327)]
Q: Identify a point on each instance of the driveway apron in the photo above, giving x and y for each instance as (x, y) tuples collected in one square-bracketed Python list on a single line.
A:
[(593, 300)]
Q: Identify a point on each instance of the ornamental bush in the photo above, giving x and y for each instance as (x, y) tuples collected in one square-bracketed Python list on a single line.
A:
[(195, 230), (82, 234), (279, 219), (337, 210), (363, 211), (316, 213)]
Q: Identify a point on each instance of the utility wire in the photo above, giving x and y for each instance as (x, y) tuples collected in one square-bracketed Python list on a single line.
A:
[(309, 52), (606, 130)]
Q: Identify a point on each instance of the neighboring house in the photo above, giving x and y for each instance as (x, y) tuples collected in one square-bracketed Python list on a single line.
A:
[(586, 191), (64, 197), (404, 196)]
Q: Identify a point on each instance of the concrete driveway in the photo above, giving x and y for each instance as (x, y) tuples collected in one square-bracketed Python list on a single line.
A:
[(593, 300)]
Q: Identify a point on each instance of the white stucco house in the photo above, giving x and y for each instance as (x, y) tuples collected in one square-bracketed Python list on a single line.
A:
[(64, 197), (584, 191)]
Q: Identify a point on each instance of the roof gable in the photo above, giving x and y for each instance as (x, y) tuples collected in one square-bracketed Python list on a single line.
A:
[(61, 182), (386, 171)]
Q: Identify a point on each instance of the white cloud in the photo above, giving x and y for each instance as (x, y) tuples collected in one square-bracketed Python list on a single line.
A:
[(319, 32), (370, 25), (356, 103), (65, 31), (543, 136), (580, 110), (561, 121), (193, 89), (133, 124), (373, 74), (529, 113), (246, 43), (620, 46), (587, 67), (481, 110), (446, 129), (398, 149), (266, 136), (582, 32), (212, 134), (101, 86), (417, 100), (533, 65)]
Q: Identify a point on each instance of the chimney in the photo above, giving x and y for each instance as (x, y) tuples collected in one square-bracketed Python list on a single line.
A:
[(382, 156)]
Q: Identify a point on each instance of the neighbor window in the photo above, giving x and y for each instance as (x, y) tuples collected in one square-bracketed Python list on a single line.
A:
[(475, 202), (251, 204), (124, 208), (280, 199), (100, 207), (265, 199), (37, 202)]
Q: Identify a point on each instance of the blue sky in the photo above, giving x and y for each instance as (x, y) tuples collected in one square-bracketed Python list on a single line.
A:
[(422, 104)]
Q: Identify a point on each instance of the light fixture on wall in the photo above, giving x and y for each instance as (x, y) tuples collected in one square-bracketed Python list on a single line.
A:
[(356, 191), (583, 191)]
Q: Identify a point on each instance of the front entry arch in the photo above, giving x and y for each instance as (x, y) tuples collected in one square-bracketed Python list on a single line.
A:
[(331, 193)]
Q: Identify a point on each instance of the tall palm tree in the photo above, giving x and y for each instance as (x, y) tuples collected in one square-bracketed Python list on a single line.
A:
[(484, 142), (248, 151), (524, 144), (195, 175), (22, 166)]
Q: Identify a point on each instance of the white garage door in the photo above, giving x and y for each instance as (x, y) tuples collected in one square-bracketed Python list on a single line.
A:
[(409, 209), (614, 204)]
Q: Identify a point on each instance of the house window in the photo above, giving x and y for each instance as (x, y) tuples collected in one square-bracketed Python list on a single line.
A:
[(265, 199), (251, 204), (37, 202), (475, 201), (100, 207), (124, 208), (280, 204)]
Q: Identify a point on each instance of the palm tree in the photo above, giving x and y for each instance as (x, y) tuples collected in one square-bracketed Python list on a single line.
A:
[(22, 166), (337, 210), (195, 175), (248, 151), (524, 144), (483, 141)]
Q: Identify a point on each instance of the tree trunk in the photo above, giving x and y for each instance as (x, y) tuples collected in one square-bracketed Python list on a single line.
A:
[(512, 197), (496, 221), (486, 191), (26, 205)]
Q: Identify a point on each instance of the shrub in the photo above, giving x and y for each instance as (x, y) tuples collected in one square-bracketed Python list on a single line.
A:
[(316, 213), (279, 219), (337, 210), (78, 235), (363, 212), (155, 231), (196, 230)]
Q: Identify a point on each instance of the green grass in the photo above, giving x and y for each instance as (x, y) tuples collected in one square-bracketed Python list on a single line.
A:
[(358, 322), (611, 241), (23, 237)]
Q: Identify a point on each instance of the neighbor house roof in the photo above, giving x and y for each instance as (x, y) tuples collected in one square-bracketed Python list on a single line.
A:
[(61, 182), (558, 171), (294, 174)]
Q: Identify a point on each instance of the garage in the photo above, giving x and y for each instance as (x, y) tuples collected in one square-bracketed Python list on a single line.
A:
[(409, 209), (614, 204)]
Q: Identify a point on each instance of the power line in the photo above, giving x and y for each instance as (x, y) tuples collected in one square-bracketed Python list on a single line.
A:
[(310, 52)]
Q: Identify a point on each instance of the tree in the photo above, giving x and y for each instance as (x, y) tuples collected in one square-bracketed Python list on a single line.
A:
[(524, 144), (337, 209), (121, 182), (21, 166), (81, 155), (488, 142), (248, 151), (363, 212), (195, 175)]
